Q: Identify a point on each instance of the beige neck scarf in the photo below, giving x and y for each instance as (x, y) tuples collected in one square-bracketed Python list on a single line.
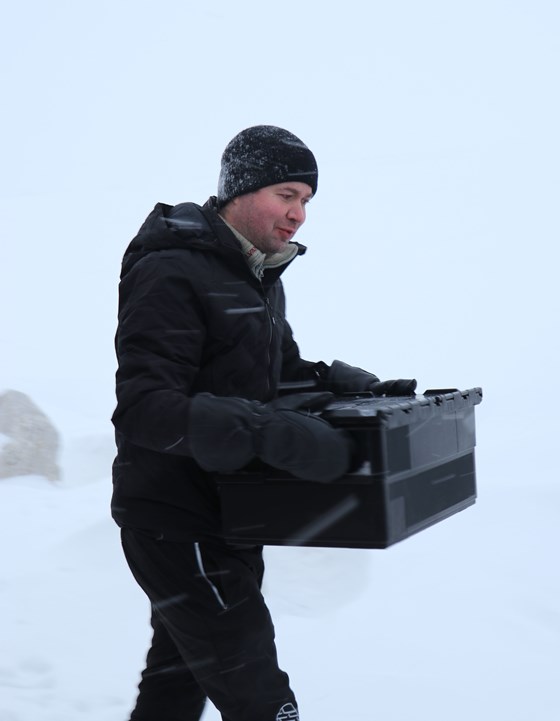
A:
[(256, 259)]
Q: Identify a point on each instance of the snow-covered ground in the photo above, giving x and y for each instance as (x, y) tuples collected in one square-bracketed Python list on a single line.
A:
[(460, 621)]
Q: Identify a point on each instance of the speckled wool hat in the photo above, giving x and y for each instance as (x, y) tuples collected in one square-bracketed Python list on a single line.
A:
[(264, 155)]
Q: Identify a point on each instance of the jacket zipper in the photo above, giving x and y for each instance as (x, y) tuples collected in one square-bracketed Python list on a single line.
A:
[(271, 324)]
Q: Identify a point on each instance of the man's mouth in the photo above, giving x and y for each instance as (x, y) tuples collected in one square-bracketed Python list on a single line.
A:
[(287, 232)]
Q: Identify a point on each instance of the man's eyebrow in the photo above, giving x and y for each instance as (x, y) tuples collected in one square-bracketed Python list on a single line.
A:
[(296, 191)]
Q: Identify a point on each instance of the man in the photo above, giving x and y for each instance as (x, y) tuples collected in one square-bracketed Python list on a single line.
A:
[(206, 382)]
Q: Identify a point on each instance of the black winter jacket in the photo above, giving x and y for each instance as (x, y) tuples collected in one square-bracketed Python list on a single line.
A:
[(192, 318)]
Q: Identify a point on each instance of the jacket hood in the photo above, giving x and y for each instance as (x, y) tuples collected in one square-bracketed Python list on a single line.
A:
[(170, 227)]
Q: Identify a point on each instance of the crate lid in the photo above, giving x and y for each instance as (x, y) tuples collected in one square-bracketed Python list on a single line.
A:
[(365, 409)]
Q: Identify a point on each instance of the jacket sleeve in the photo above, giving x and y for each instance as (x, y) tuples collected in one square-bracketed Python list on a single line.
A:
[(297, 373), (158, 343)]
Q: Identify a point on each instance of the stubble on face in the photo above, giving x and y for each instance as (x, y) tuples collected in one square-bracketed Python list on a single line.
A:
[(270, 217)]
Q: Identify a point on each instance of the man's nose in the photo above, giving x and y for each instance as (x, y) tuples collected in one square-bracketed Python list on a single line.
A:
[(297, 212)]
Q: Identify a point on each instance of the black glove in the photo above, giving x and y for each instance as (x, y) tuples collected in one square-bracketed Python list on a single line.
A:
[(344, 378), (225, 434), (400, 387)]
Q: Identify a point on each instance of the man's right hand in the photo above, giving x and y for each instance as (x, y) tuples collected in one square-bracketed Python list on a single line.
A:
[(225, 434)]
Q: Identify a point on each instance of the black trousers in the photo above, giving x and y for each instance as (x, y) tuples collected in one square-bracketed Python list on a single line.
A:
[(212, 634)]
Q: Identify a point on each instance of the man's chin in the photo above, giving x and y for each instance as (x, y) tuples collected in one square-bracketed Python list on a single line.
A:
[(274, 245), (281, 246)]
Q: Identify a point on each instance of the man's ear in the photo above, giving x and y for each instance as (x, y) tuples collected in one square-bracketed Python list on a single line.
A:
[(229, 205)]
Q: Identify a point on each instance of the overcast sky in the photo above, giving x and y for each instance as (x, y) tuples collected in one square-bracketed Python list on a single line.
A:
[(432, 238)]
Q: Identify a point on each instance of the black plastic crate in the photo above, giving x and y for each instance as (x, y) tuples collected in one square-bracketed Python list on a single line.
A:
[(414, 467)]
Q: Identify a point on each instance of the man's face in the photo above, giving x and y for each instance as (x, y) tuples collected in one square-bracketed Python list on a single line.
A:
[(269, 217)]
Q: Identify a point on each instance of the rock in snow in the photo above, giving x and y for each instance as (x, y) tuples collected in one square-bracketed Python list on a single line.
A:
[(32, 441)]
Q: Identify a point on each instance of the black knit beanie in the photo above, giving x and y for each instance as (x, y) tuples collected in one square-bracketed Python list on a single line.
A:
[(264, 155)]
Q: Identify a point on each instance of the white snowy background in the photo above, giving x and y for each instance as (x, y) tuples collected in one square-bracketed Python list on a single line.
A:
[(432, 253)]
